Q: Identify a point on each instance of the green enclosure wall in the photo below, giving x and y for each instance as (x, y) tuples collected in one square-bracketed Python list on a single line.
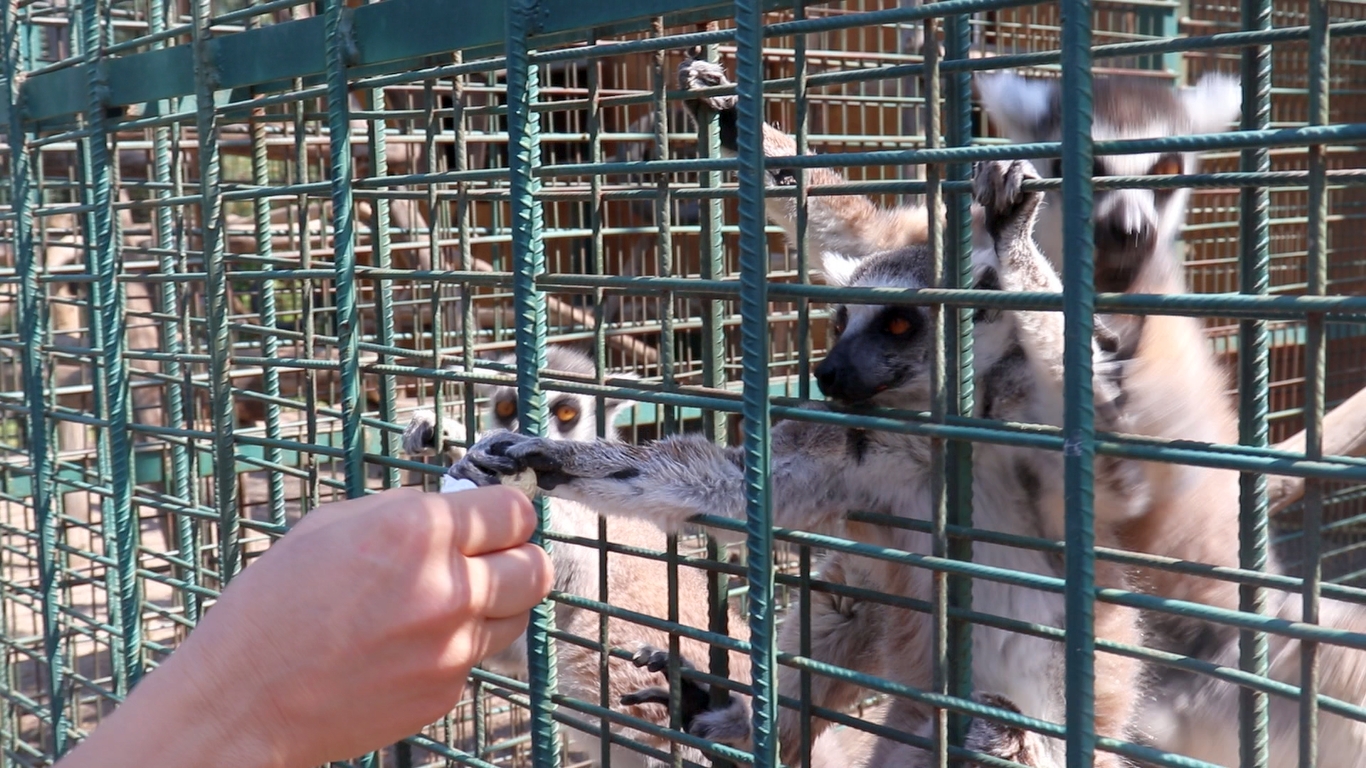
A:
[(241, 243)]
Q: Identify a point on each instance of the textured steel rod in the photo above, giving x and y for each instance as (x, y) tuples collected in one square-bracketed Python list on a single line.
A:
[(1315, 365), (754, 351), (33, 322), (1078, 414), (528, 257), (1254, 379), (216, 287), (337, 42)]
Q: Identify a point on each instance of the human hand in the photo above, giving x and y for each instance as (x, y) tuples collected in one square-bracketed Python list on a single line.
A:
[(355, 630)]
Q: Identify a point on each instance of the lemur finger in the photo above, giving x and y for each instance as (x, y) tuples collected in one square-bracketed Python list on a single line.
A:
[(538, 454), (655, 695)]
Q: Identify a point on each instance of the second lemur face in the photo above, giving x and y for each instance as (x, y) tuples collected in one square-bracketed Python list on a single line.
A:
[(1130, 224), (883, 353), (571, 416)]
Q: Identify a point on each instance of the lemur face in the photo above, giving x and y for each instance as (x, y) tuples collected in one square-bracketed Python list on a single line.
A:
[(882, 353), (1131, 225), (571, 416)]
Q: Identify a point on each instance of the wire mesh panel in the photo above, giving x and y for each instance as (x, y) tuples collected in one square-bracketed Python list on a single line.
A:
[(245, 246)]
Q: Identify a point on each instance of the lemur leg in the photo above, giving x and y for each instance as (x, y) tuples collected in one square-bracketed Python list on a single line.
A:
[(1009, 214), (845, 632), (817, 472), (851, 225)]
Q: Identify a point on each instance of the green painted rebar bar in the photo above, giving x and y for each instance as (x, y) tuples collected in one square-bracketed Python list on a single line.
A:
[(528, 261), (1254, 378), (384, 290), (1314, 375), (216, 288), (337, 41), (945, 666), (1078, 415), (754, 344), (118, 507), (32, 324), (713, 267), (959, 354), (174, 393)]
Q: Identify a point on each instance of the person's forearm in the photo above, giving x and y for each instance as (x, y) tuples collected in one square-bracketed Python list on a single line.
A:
[(173, 719)]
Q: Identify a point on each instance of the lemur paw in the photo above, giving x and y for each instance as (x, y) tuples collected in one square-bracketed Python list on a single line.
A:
[(545, 457), (998, 186), (729, 725), (997, 739), (419, 437), (487, 462), (696, 74)]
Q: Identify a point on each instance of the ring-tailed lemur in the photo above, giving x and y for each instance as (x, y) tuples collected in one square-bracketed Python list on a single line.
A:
[(820, 471), (1174, 388), (633, 583)]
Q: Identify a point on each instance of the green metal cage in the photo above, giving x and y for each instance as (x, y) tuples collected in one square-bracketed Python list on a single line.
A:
[(241, 242)]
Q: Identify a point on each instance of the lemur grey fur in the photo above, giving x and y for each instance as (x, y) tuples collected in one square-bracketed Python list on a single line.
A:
[(1174, 388), (634, 584), (819, 472)]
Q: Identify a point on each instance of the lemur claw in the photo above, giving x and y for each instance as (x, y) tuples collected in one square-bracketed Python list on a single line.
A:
[(695, 698), (998, 186), (487, 460)]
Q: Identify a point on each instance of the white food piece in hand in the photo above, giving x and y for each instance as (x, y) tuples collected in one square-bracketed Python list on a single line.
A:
[(524, 481), (455, 485)]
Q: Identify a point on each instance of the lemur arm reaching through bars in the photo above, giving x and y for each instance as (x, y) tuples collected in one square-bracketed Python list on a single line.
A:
[(818, 473)]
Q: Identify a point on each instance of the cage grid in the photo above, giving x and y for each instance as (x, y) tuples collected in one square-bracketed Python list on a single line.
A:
[(187, 230)]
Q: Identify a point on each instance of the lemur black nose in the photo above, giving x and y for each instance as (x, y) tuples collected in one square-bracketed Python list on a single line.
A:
[(825, 377), (1125, 232)]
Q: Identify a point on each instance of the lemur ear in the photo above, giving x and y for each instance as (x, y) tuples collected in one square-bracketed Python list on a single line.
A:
[(1016, 104), (837, 268), (1213, 103)]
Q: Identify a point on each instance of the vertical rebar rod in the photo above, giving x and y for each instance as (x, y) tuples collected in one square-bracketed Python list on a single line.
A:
[(939, 404), (528, 261), (99, 192), (383, 258), (32, 323), (337, 41), (220, 342), (713, 375), (1079, 445), (959, 362), (754, 377), (176, 394), (1254, 378), (1315, 369)]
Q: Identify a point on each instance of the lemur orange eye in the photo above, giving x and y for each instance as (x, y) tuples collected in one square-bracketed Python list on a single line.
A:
[(506, 409), (1167, 166), (898, 326), (566, 413)]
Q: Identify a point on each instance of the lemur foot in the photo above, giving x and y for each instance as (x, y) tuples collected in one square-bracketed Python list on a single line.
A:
[(419, 437), (696, 74), (999, 740), (998, 186), (729, 725)]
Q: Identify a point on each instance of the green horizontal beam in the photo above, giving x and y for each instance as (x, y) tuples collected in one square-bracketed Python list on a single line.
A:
[(388, 37)]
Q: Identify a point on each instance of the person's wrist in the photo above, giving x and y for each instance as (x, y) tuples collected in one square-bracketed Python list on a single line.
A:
[(176, 717)]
